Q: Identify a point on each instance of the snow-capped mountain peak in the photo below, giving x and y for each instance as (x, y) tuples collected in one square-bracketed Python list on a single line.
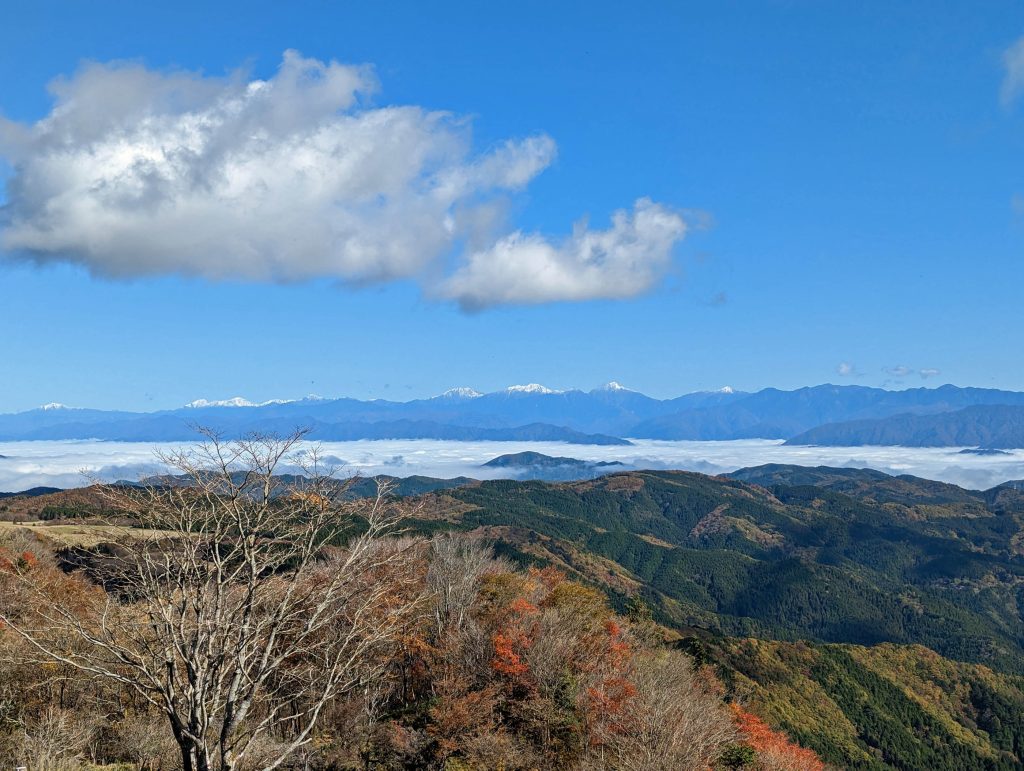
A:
[(54, 406), (240, 401), (236, 401), (613, 386), (462, 392), (531, 388)]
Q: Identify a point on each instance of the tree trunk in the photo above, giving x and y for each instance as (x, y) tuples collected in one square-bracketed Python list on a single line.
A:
[(186, 758)]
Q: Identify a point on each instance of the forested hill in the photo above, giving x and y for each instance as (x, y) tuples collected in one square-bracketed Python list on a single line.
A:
[(907, 593), (877, 619), (782, 552), (879, 707), (900, 560)]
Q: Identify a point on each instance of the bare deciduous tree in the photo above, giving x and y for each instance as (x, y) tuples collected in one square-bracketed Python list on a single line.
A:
[(233, 613), (56, 741), (673, 722), (456, 566)]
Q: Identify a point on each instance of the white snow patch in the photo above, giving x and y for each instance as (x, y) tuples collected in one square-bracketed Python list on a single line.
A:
[(236, 401), (531, 388), (462, 392)]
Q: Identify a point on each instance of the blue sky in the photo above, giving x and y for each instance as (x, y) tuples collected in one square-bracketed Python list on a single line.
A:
[(846, 173)]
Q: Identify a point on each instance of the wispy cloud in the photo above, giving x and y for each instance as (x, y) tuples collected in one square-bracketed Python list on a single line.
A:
[(137, 172), (1013, 74), (900, 370), (1017, 205)]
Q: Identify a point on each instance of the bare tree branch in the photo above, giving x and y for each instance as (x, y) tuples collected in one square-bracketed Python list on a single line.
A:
[(247, 590)]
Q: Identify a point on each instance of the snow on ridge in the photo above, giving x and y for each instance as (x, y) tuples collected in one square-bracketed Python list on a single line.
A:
[(531, 388), (236, 401), (461, 392), (54, 406)]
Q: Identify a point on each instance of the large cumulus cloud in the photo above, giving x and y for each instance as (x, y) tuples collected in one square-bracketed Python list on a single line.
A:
[(136, 172)]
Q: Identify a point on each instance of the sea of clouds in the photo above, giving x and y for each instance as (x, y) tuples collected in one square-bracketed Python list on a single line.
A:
[(73, 463)]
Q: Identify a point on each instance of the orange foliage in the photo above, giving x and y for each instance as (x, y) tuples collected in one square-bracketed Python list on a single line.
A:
[(514, 639), (23, 562), (608, 698), (506, 660), (774, 746), (549, 576), (520, 606)]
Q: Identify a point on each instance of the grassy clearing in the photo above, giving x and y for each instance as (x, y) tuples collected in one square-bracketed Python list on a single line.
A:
[(78, 534)]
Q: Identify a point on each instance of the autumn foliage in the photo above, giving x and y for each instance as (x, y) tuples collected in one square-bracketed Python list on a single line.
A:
[(542, 673), (775, 752), (496, 667)]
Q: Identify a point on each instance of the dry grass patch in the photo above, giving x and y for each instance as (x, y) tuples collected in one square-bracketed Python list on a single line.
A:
[(78, 534)]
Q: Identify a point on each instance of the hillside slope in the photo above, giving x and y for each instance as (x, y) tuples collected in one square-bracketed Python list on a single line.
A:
[(880, 707), (988, 426), (793, 562), (876, 619)]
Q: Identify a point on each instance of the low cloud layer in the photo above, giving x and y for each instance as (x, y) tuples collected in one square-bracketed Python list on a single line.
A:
[(136, 172), (59, 464)]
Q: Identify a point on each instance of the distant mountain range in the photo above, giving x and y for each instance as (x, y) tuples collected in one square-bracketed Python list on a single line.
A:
[(987, 426), (825, 414)]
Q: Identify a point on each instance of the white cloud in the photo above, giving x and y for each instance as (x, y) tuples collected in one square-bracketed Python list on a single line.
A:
[(622, 261), (900, 370), (846, 369), (1013, 77), (136, 172), (59, 463)]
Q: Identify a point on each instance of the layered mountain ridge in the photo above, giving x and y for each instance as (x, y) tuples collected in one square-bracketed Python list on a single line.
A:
[(827, 414)]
